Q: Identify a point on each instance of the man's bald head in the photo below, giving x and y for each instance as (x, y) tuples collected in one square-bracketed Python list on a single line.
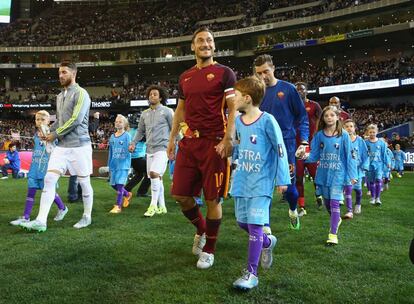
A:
[(335, 101)]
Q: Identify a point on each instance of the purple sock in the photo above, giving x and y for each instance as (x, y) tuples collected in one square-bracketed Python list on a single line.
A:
[(378, 184), (31, 192), (335, 216), (243, 226), (58, 201), (373, 190), (358, 196), (125, 192), (255, 247), (120, 194), (348, 197), (327, 205)]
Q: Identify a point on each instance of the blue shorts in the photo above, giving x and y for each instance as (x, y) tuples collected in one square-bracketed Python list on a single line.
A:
[(252, 210), (373, 175), (399, 167), (118, 177), (358, 184), (333, 192), (36, 183)]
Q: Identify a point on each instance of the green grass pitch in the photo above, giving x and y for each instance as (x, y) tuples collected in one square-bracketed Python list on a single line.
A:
[(126, 258)]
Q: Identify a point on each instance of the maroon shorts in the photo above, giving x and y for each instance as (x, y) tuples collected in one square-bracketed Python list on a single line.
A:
[(300, 168), (199, 167)]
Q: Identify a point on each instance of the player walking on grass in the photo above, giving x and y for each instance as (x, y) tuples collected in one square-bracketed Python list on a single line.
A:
[(261, 165), (314, 110), (360, 153), (205, 91), (284, 103), (155, 125), (119, 162), (378, 159), (40, 158), (73, 151), (331, 146)]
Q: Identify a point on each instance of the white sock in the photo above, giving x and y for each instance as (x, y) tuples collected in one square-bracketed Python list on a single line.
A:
[(48, 196), (161, 199), (87, 195), (155, 190)]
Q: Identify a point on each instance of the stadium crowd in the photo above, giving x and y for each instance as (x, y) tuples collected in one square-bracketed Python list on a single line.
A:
[(384, 116), (109, 24), (315, 75)]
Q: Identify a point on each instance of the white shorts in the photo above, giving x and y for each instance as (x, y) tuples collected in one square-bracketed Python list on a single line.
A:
[(77, 160), (157, 162)]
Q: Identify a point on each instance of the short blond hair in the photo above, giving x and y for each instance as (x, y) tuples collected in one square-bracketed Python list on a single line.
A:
[(125, 120), (372, 127), (43, 113)]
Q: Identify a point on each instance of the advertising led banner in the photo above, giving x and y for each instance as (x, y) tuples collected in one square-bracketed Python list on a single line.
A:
[(25, 106), (409, 157), (407, 81), (145, 103), (5, 7), (333, 38), (101, 104), (353, 87)]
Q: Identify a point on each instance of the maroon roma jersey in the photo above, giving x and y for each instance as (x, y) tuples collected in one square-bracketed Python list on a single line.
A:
[(314, 111), (204, 91)]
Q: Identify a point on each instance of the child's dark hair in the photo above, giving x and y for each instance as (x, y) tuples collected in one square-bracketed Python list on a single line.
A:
[(11, 145), (252, 86), (322, 124)]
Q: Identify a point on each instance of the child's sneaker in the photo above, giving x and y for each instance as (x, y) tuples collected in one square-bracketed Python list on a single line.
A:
[(126, 200), (116, 209), (357, 209), (247, 281), (332, 240), (266, 258), (378, 202), (372, 201), (61, 214), (348, 216)]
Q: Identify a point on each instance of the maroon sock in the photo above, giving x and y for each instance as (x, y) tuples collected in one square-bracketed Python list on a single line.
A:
[(212, 229), (196, 218)]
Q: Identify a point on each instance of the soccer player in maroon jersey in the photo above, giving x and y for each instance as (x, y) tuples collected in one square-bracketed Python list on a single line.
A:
[(336, 102), (314, 111), (205, 92)]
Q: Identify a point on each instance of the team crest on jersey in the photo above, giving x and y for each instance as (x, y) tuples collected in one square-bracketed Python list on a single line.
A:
[(253, 139), (321, 145), (210, 76), (354, 153), (280, 94), (280, 150), (121, 142), (336, 146)]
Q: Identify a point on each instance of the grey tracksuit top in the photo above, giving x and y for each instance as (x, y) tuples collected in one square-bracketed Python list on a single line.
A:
[(155, 125)]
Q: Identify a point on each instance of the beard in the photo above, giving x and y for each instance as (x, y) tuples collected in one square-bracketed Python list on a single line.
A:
[(65, 83)]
